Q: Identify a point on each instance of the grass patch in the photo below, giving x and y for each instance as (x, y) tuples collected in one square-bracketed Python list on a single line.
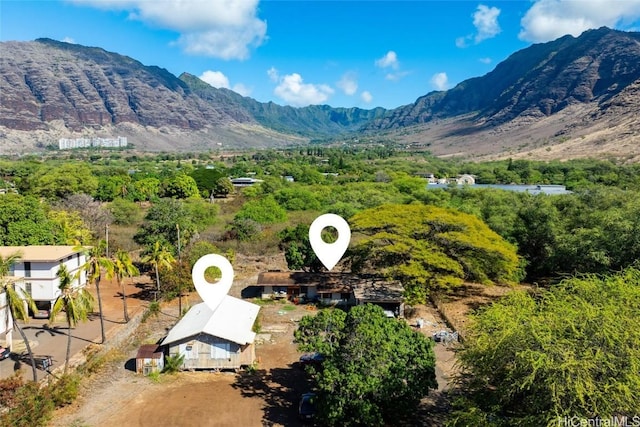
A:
[(262, 302)]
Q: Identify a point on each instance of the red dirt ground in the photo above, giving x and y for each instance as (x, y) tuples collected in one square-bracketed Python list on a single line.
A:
[(116, 396)]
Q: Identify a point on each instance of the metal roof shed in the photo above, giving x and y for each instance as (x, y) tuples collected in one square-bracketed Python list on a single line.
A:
[(150, 358)]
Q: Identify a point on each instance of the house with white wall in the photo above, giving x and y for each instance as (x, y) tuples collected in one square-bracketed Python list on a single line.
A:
[(220, 338), (6, 321), (38, 268)]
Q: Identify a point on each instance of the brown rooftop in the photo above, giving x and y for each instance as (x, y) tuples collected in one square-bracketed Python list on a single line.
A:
[(303, 278), (40, 253), (373, 290), (366, 288), (149, 351)]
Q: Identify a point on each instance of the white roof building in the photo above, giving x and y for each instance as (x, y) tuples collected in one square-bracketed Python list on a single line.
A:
[(232, 321), (220, 338)]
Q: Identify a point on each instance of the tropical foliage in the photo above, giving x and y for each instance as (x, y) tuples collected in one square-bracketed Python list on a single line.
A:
[(375, 370), (96, 264), (75, 301), (123, 267), (160, 257), (15, 300), (573, 351), (427, 247)]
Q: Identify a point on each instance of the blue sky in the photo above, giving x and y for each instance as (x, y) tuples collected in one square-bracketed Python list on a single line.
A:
[(341, 53)]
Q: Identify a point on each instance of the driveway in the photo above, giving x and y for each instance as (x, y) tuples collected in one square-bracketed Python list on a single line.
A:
[(50, 339)]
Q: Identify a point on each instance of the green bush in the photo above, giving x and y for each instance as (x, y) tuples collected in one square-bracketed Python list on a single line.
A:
[(125, 212), (152, 310), (173, 364), (262, 211), (64, 391)]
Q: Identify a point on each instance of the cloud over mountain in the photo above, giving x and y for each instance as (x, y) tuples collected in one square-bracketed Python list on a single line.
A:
[(221, 29), (550, 19)]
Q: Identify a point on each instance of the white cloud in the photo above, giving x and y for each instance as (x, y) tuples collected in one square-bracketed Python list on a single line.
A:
[(222, 29), (294, 91), (242, 89), (348, 83), (394, 77), (366, 96), (390, 60), (549, 19), (273, 74), (440, 81), (485, 60), (485, 19), (69, 40), (462, 41), (215, 78), (218, 80)]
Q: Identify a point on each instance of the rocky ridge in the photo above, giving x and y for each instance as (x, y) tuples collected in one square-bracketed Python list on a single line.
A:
[(575, 96)]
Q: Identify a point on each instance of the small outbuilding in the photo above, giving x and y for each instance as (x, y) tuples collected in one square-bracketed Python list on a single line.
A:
[(384, 293), (220, 338), (149, 359)]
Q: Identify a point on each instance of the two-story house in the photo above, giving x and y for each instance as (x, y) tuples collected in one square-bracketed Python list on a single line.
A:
[(38, 268)]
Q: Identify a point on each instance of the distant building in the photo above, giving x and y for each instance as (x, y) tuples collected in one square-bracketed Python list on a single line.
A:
[(465, 179), (71, 143), (245, 182), (522, 188)]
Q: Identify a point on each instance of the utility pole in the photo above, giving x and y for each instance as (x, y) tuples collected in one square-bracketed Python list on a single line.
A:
[(178, 228)]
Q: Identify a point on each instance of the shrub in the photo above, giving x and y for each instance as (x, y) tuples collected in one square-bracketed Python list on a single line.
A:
[(33, 406), (64, 391), (173, 364)]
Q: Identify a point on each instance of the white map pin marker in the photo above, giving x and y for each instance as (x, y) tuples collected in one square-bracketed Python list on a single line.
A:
[(329, 253), (212, 293)]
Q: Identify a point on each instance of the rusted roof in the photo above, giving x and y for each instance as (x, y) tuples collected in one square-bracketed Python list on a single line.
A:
[(367, 288), (302, 278), (149, 351), (373, 290)]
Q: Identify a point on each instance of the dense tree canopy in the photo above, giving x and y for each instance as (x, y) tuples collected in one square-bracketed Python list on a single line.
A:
[(375, 371), (263, 211), (294, 241), (573, 351), (24, 221), (63, 180), (428, 247), (180, 186)]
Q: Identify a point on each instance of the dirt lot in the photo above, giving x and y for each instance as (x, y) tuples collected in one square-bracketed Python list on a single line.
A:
[(116, 396)]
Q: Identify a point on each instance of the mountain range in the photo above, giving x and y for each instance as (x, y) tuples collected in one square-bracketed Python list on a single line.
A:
[(572, 97)]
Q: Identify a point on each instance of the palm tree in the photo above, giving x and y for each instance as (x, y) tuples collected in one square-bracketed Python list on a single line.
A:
[(15, 299), (160, 256), (76, 303), (123, 267), (96, 263)]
